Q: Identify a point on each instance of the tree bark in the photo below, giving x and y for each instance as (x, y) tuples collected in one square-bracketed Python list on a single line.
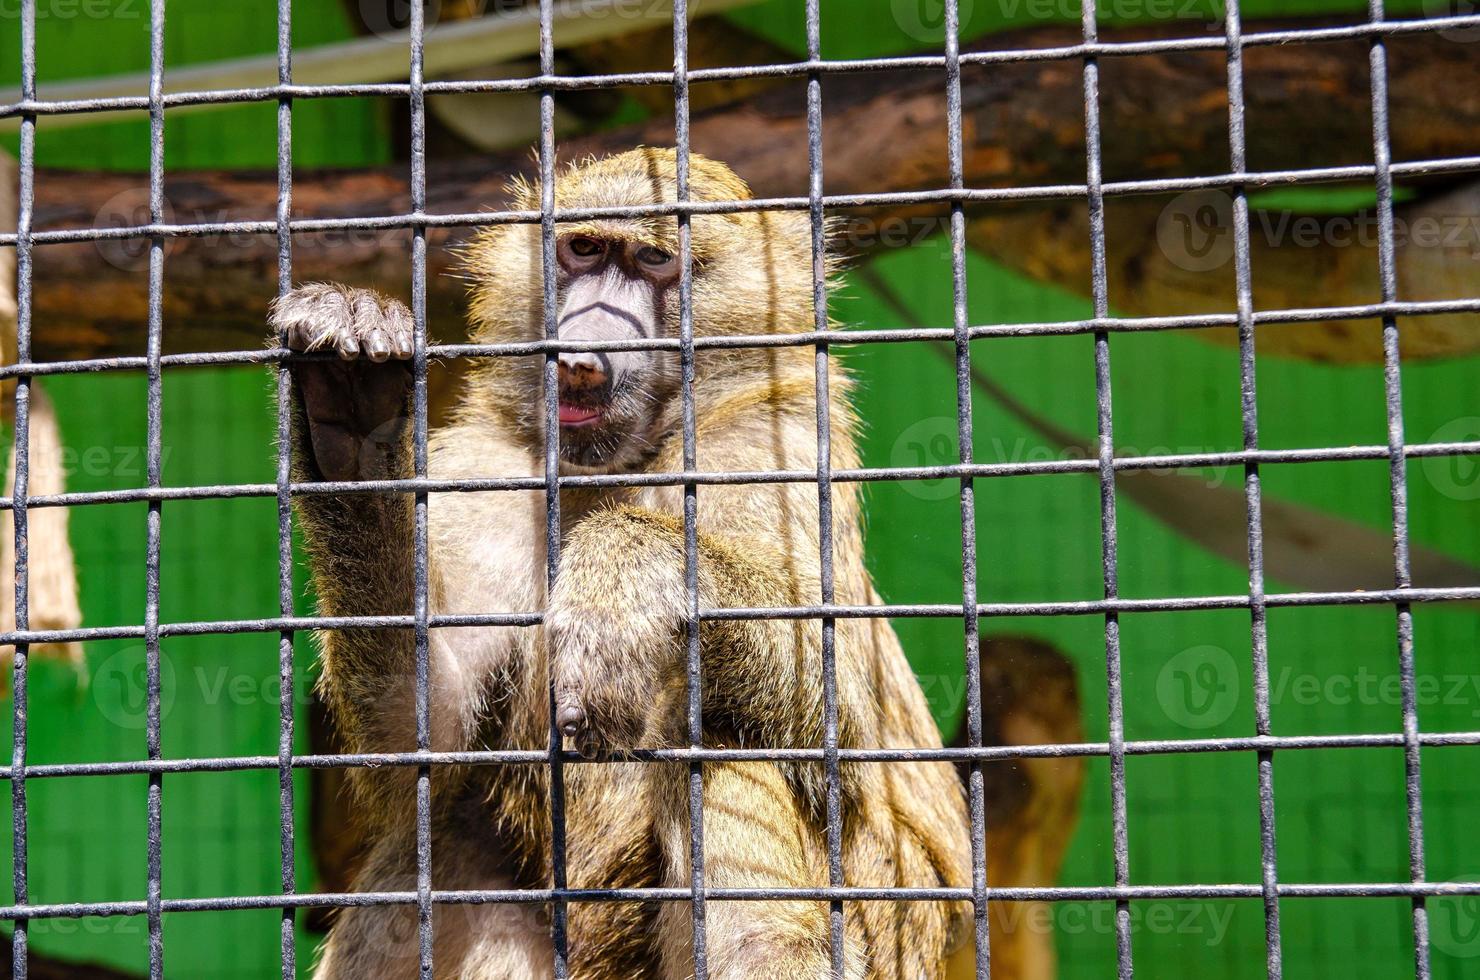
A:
[(1162, 115), (1175, 257)]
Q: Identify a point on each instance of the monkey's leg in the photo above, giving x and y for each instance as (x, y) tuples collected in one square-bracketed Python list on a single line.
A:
[(470, 942), (755, 836)]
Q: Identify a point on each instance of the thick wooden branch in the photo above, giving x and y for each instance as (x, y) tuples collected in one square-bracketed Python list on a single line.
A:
[(1176, 257), (1162, 116)]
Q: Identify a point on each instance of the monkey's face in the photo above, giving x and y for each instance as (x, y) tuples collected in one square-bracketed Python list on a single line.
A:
[(612, 289), (616, 283)]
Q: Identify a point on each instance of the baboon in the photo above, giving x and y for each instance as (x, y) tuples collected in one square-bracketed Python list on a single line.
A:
[(611, 641)]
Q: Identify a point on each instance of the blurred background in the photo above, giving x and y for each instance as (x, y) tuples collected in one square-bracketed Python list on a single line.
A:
[(1341, 815)]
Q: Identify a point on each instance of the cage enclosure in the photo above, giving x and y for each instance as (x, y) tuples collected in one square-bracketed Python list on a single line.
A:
[(1164, 318)]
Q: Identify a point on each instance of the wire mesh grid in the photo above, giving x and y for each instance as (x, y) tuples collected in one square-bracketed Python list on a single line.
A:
[(1106, 464)]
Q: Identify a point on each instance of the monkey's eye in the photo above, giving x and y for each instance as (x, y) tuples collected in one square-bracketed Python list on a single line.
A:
[(585, 247), (653, 256)]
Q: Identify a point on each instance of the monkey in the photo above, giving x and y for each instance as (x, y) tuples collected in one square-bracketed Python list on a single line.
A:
[(609, 653)]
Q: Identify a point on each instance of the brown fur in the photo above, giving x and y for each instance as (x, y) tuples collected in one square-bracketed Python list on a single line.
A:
[(613, 636)]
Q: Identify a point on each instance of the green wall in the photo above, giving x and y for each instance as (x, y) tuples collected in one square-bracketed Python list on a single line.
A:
[(1192, 818)]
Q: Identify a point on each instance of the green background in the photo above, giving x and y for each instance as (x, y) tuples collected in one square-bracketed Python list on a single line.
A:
[(1192, 818)]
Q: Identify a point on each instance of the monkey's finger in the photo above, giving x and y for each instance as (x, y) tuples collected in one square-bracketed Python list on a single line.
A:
[(377, 345), (344, 342), (400, 328)]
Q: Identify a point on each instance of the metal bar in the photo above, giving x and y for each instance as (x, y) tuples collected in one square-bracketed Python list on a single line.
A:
[(694, 675), (286, 686), (539, 757), (1112, 324), (559, 919), (966, 446), (1000, 753), (1100, 288), (421, 613), (826, 571), (154, 467), (1253, 499), (1398, 483), (1187, 892), (1175, 461), (1087, 607), (25, 298)]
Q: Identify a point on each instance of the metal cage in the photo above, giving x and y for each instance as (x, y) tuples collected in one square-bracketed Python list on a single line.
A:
[(1236, 181)]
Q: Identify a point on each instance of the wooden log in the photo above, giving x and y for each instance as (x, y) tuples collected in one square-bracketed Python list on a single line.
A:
[(1163, 115), (1176, 257)]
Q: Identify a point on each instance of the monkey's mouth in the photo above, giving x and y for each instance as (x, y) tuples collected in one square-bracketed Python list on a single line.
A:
[(573, 416)]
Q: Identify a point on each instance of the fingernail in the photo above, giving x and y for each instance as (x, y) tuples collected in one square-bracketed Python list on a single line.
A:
[(376, 346), (570, 719)]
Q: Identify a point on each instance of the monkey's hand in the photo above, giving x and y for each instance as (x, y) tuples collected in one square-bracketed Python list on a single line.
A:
[(355, 407), (614, 624)]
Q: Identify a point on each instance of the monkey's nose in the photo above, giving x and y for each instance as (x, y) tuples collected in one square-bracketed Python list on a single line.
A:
[(582, 370)]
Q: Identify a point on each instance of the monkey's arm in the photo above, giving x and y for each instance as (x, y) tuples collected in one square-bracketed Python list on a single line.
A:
[(350, 423)]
